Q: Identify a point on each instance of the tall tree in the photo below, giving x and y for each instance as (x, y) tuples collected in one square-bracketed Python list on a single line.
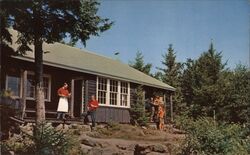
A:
[(201, 83), (171, 73), (42, 21), (236, 105), (139, 64)]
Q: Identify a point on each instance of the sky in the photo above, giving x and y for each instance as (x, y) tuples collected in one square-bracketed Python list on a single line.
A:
[(149, 26)]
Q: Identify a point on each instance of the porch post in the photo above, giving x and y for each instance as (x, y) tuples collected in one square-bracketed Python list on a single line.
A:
[(144, 97), (171, 107), (72, 99), (165, 104), (24, 91)]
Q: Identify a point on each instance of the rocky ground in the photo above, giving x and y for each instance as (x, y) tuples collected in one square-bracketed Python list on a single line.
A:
[(119, 139), (128, 140)]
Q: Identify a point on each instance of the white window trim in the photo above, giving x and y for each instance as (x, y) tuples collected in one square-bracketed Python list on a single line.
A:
[(108, 93), (49, 87), (6, 86)]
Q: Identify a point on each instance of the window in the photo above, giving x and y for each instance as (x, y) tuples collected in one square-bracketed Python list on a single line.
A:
[(13, 83), (124, 94), (102, 90), (30, 94), (113, 92)]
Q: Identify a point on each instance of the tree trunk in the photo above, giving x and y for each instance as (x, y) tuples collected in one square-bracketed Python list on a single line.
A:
[(38, 43), (40, 106)]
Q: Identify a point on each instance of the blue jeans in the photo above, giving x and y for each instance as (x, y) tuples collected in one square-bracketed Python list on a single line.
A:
[(92, 115), (59, 114)]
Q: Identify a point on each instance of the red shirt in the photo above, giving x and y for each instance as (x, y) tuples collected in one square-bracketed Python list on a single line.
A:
[(93, 105), (63, 92)]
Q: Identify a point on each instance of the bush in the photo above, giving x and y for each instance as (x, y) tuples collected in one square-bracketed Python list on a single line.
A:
[(204, 136), (9, 107), (137, 110), (46, 140)]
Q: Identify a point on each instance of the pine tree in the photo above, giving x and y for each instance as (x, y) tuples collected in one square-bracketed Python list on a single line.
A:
[(201, 92), (137, 110), (171, 73), (139, 64)]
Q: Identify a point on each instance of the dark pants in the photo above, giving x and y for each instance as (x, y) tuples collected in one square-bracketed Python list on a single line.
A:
[(92, 115), (59, 114)]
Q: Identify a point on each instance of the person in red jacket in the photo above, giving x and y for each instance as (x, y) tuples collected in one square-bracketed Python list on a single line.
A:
[(92, 106)]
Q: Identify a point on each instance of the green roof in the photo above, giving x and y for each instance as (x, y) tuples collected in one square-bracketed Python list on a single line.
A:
[(67, 57)]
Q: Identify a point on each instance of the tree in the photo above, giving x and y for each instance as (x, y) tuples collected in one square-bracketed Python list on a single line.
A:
[(139, 64), (201, 83), (137, 110), (171, 73), (236, 106), (43, 21)]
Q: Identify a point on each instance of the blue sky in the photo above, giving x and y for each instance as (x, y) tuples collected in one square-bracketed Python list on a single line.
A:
[(151, 25)]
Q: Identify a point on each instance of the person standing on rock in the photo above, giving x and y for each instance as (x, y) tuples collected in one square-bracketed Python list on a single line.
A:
[(161, 113), (63, 104), (92, 106)]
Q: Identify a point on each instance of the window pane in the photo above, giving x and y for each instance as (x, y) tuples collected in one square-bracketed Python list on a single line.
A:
[(30, 86), (124, 94), (102, 88), (13, 84)]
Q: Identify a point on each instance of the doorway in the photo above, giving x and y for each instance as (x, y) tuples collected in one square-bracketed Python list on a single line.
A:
[(79, 97)]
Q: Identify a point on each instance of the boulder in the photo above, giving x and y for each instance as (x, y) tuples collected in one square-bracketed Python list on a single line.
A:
[(143, 149)]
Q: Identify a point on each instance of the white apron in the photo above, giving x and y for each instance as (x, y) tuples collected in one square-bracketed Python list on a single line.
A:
[(63, 104)]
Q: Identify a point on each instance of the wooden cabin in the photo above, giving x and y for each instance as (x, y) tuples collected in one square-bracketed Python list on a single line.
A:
[(113, 82)]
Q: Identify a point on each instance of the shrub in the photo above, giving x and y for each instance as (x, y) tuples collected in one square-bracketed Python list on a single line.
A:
[(137, 110), (46, 140), (9, 107), (204, 136)]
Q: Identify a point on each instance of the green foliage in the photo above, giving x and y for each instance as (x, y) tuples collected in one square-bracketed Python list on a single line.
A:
[(204, 136), (201, 81), (46, 141), (170, 74), (137, 110), (237, 105), (9, 107), (139, 64)]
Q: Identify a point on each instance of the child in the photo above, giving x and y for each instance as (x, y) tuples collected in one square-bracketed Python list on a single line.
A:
[(161, 113)]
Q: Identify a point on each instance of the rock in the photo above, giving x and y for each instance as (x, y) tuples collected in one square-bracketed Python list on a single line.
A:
[(158, 148), (143, 149), (93, 143), (89, 142), (143, 127), (85, 128), (62, 127), (73, 126), (121, 147), (106, 151)]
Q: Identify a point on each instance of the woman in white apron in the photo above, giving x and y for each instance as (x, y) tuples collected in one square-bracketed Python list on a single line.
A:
[(63, 104)]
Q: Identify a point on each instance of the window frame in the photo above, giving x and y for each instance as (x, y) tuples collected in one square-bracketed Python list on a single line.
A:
[(49, 86), (21, 86), (118, 100)]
